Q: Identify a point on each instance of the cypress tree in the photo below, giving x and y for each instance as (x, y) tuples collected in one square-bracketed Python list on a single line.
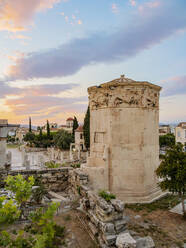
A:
[(30, 125), (75, 126), (40, 132), (86, 128), (48, 129)]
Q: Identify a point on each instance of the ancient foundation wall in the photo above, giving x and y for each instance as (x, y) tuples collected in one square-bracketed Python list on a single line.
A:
[(54, 179)]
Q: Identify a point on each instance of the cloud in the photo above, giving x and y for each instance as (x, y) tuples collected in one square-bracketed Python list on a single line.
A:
[(79, 22), (115, 9), (41, 103), (174, 86), (16, 15), (41, 99), (18, 36), (132, 2), (6, 90), (143, 32)]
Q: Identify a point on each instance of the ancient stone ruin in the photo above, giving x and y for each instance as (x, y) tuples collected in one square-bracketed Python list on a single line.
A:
[(124, 141), (5, 159)]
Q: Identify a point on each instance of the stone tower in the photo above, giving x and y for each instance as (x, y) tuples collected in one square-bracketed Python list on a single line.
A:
[(124, 139)]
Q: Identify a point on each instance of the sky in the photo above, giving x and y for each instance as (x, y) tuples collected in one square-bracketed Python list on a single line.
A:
[(51, 51)]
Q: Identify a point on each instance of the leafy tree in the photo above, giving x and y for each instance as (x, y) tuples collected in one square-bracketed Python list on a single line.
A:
[(44, 224), (30, 137), (167, 140), (75, 126), (173, 171), (86, 128), (48, 129), (8, 211), (21, 187), (30, 125), (62, 139)]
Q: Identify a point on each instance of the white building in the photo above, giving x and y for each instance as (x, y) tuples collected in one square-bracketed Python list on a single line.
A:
[(164, 129), (180, 133), (79, 138), (69, 125)]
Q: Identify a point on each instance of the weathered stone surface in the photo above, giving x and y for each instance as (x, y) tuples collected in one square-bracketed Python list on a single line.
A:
[(107, 228), (93, 228), (109, 239), (125, 240), (93, 218), (120, 225), (53, 179), (118, 205), (146, 242), (120, 150)]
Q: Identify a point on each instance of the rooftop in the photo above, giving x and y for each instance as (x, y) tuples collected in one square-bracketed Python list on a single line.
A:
[(70, 119), (126, 82), (79, 129)]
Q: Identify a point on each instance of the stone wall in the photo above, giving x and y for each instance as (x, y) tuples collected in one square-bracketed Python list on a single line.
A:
[(54, 179), (105, 220)]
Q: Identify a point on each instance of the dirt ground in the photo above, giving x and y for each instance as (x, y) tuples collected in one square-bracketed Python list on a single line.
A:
[(76, 236), (167, 229)]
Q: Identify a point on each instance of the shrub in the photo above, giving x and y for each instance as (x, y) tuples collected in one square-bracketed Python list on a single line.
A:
[(21, 187), (63, 139), (107, 196), (76, 165), (8, 211), (52, 164), (38, 193)]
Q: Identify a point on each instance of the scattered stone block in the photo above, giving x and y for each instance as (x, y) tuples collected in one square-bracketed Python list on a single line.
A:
[(125, 240), (118, 205), (120, 225), (107, 228), (109, 239), (146, 242)]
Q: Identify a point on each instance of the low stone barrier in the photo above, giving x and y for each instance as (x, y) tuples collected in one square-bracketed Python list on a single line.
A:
[(53, 179), (106, 220)]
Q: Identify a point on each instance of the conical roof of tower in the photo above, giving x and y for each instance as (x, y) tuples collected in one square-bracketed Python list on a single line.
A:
[(127, 82)]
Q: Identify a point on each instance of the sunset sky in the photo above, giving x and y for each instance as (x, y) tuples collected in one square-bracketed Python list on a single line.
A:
[(52, 50)]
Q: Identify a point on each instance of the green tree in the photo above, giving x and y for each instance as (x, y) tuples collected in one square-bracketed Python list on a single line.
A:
[(75, 126), (30, 125), (21, 187), (62, 139), (8, 211), (172, 171), (48, 129), (167, 140), (86, 129), (40, 133), (30, 137)]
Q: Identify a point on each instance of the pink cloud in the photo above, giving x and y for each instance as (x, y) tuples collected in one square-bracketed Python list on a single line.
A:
[(115, 8), (144, 8), (132, 2), (174, 86), (16, 15)]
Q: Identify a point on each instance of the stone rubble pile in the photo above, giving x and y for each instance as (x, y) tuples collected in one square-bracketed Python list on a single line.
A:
[(106, 220)]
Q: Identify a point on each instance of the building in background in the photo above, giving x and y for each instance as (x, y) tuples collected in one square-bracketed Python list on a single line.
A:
[(79, 138), (180, 133), (164, 129), (20, 133), (69, 125)]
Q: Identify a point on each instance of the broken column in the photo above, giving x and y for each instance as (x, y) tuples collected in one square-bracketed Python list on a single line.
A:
[(124, 141), (5, 128)]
